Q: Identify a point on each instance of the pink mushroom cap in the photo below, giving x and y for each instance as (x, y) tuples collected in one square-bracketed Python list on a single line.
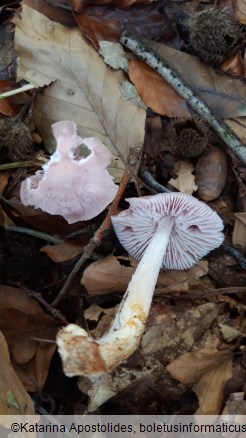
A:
[(76, 188), (197, 228)]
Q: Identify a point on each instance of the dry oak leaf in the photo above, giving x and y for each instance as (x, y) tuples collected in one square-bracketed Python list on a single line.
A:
[(21, 319), (155, 92), (189, 367), (112, 274), (85, 88), (14, 399), (210, 388), (61, 252)]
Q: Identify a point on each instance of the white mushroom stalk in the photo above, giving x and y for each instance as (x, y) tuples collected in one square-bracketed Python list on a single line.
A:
[(172, 230)]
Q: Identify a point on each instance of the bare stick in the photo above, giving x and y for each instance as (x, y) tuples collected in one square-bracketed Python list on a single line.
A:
[(38, 297), (152, 183), (33, 233), (22, 89), (98, 235), (154, 61)]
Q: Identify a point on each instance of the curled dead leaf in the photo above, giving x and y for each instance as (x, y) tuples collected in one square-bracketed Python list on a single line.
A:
[(14, 399), (21, 319), (61, 252), (233, 66), (210, 388), (189, 367), (155, 92)]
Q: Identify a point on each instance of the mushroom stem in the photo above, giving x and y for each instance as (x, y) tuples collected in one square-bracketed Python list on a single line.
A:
[(144, 279), (95, 357)]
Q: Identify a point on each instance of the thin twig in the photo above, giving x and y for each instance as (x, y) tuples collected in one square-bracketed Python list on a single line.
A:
[(22, 89), (152, 183), (46, 236), (236, 254), (98, 235), (38, 297), (154, 61), (34, 233)]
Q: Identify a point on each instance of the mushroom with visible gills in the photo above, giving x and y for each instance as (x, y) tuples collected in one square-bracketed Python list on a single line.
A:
[(172, 231)]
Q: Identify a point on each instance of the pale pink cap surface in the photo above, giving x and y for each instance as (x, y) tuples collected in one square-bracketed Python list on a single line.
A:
[(76, 188), (197, 228)]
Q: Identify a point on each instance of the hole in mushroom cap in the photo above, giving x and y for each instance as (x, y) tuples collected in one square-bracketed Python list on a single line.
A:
[(128, 229), (193, 228), (81, 151)]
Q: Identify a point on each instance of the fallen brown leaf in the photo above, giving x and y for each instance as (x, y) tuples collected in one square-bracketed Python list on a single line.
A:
[(5, 104), (96, 31), (233, 66), (114, 273), (21, 319), (54, 11), (39, 366), (14, 399), (155, 92), (210, 388), (106, 23), (61, 252), (189, 367)]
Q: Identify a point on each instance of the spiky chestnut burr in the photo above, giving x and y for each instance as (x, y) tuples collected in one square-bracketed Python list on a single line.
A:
[(213, 34), (16, 137), (188, 137)]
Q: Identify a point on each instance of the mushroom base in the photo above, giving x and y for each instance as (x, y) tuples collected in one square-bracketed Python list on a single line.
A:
[(83, 355)]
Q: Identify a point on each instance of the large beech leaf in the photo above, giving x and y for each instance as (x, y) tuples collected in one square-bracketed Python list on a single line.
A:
[(86, 91)]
